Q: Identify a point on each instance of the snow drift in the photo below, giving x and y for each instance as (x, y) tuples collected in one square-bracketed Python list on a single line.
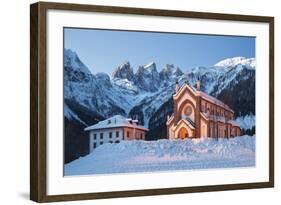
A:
[(165, 155)]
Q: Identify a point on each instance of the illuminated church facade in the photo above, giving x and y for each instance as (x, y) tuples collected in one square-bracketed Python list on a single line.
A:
[(198, 115)]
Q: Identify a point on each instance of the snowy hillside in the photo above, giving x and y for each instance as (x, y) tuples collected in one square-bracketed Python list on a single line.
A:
[(98, 92), (163, 155), (231, 62), (147, 77), (72, 60)]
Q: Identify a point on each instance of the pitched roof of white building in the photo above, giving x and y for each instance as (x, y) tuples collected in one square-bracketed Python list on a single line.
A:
[(116, 121)]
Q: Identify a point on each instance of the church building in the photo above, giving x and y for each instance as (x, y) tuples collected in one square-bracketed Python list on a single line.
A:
[(197, 114)]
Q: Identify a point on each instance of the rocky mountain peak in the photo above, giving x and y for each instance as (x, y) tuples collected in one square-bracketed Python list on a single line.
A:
[(147, 77), (148, 70), (103, 76), (170, 72), (72, 62), (151, 67), (124, 71)]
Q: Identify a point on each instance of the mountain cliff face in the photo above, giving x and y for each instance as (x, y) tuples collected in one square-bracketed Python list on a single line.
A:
[(147, 93), (124, 71), (147, 77), (170, 73)]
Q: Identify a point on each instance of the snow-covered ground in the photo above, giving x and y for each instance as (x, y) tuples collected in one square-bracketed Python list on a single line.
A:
[(165, 155)]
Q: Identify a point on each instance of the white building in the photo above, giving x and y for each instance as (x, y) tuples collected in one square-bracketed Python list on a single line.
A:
[(113, 130)]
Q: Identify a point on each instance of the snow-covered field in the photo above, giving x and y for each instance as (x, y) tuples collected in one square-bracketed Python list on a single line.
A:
[(164, 155)]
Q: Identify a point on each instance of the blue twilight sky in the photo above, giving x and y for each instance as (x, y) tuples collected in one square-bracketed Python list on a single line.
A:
[(104, 50)]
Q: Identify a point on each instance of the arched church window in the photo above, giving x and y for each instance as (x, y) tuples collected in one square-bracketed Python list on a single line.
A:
[(188, 111)]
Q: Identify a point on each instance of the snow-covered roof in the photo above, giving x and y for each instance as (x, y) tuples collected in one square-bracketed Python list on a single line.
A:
[(115, 121), (204, 96), (214, 100), (213, 117), (233, 123), (220, 119), (185, 85)]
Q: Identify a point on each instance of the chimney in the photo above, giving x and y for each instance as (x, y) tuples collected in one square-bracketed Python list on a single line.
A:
[(177, 86), (198, 84)]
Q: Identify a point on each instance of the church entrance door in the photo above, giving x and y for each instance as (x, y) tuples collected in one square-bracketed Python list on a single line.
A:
[(183, 133)]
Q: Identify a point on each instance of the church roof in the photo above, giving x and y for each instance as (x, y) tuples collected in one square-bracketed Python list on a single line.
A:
[(214, 100), (114, 122), (205, 96), (233, 123), (185, 85)]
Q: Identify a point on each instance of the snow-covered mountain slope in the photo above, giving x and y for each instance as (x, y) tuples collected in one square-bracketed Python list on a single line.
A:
[(165, 155), (208, 76), (231, 78), (231, 62), (124, 71), (71, 60), (69, 114), (98, 92), (147, 77), (170, 73), (150, 104)]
